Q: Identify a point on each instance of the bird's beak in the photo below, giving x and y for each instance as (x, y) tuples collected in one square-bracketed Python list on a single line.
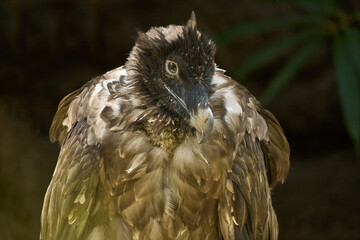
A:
[(203, 121)]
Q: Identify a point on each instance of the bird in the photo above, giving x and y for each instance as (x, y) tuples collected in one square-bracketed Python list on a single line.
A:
[(166, 146)]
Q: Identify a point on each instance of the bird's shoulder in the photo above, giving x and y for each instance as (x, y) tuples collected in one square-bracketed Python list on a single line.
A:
[(236, 109), (240, 114), (99, 101)]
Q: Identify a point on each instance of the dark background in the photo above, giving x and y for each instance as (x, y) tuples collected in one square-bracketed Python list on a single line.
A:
[(50, 48)]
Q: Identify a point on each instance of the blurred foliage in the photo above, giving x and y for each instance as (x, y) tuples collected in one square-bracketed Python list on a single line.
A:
[(332, 25)]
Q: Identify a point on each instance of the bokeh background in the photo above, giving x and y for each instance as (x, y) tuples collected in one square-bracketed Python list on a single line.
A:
[(300, 57)]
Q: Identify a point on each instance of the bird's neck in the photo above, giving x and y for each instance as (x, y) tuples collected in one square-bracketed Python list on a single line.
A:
[(166, 137)]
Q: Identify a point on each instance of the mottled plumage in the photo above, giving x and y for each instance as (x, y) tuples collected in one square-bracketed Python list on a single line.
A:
[(165, 147)]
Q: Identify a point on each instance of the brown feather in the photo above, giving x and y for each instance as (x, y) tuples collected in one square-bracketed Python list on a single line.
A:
[(276, 150), (58, 130)]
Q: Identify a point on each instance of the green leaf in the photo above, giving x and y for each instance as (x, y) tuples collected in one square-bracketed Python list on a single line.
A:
[(289, 70), (352, 36), (348, 84), (247, 29), (273, 51)]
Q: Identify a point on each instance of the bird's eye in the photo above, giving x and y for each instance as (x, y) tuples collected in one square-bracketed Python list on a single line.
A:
[(171, 67)]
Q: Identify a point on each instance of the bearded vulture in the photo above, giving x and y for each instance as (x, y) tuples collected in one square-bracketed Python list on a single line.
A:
[(165, 147)]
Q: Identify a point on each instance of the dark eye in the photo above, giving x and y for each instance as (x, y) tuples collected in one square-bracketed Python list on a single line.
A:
[(171, 67)]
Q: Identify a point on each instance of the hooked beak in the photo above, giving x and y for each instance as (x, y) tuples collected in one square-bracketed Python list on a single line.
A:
[(203, 121)]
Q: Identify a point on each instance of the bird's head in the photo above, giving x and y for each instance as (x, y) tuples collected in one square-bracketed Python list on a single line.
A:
[(175, 65)]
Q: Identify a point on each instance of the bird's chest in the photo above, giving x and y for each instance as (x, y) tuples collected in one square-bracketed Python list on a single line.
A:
[(151, 186)]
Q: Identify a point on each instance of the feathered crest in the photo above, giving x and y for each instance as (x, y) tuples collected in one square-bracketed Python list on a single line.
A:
[(192, 21)]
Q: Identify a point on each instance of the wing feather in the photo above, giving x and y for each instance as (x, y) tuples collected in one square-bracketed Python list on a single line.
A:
[(58, 130), (74, 191), (276, 150), (69, 199), (252, 193), (261, 160)]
